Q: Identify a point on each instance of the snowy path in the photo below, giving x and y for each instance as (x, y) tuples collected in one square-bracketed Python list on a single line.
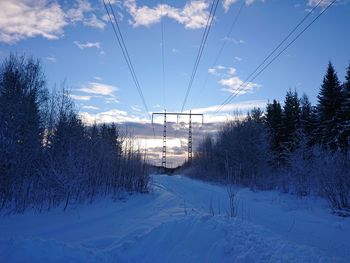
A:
[(174, 224)]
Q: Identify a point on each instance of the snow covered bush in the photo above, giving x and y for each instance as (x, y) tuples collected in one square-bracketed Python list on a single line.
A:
[(333, 174), (240, 149), (294, 147), (48, 156)]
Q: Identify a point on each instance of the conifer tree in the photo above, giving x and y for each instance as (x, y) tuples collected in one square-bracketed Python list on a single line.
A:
[(274, 123), (329, 103), (344, 113), (256, 115), (291, 120), (22, 93), (306, 115)]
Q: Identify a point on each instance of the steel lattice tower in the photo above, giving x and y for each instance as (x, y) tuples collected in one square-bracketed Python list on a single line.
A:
[(164, 143), (190, 139), (165, 114)]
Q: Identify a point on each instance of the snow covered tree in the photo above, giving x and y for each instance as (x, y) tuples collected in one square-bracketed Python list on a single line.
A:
[(306, 115), (22, 93), (329, 103), (274, 123), (48, 155), (256, 114), (344, 114), (291, 121)]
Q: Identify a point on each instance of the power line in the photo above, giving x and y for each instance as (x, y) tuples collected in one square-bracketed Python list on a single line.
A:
[(163, 64), (268, 56), (125, 52), (249, 79), (233, 25), (201, 48)]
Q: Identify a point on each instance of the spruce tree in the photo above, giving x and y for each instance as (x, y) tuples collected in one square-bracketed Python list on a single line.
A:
[(274, 123), (22, 93), (307, 119), (344, 114), (291, 120), (329, 103), (256, 115)]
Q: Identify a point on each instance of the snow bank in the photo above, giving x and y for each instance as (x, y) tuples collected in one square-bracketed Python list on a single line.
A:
[(215, 239), (174, 224), (193, 238)]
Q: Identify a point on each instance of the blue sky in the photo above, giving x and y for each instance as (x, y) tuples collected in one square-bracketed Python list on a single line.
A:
[(75, 42)]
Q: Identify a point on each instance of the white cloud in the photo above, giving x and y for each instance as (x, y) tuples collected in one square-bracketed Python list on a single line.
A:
[(238, 106), (144, 15), (93, 21), (212, 71), (76, 14), (222, 71), (313, 3), (227, 3), (237, 86), (83, 12), (87, 45), (232, 111), (233, 40), (231, 81), (238, 58), (111, 100), (231, 71), (22, 19), (115, 115), (99, 89), (78, 97), (193, 15), (249, 2), (115, 2), (51, 59), (136, 108), (89, 107)]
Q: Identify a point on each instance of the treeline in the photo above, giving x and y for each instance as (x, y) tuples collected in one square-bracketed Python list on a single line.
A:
[(48, 156), (294, 146)]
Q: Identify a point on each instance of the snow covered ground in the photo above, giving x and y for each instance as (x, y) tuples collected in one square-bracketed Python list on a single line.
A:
[(175, 223)]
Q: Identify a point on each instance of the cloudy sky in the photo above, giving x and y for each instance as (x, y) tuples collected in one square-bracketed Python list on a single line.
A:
[(76, 44)]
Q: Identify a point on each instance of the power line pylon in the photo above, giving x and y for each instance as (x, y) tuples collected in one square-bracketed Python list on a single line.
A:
[(164, 142), (165, 114), (190, 139)]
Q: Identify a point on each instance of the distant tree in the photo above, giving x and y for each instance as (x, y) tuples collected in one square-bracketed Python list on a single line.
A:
[(314, 127), (344, 114), (205, 151), (291, 121), (256, 114), (274, 123), (22, 94), (305, 115), (329, 103), (48, 155)]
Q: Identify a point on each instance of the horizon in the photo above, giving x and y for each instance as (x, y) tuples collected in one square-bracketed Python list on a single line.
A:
[(77, 45)]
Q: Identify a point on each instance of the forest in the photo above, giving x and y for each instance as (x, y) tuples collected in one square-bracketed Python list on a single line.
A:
[(48, 156), (294, 146)]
